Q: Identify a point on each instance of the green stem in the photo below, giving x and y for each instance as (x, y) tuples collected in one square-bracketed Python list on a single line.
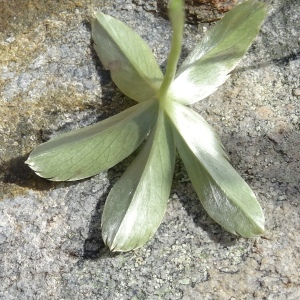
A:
[(176, 15)]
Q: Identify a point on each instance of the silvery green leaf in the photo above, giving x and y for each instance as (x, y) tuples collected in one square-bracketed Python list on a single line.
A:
[(136, 204), (209, 64), (223, 193), (90, 150), (131, 63)]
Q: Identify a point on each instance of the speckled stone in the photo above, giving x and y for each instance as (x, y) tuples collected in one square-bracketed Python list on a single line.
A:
[(50, 241), (204, 11)]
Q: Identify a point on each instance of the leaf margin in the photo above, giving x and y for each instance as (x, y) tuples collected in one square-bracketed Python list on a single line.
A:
[(120, 238), (213, 65), (131, 72), (206, 159), (128, 121)]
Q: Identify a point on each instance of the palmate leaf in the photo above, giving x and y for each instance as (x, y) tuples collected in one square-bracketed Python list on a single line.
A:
[(88, 151), (209, 64), (136, 204), (131, 63), (223, 193)]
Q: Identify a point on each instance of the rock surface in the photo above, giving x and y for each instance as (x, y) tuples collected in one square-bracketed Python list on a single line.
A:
[(201, 10), (51, 82)]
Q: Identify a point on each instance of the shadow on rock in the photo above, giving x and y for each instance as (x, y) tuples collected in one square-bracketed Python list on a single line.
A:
[(94, 246), (201, 219), (15, 171)]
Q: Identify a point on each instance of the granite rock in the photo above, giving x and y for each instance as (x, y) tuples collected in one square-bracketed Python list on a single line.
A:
[(51, 81)]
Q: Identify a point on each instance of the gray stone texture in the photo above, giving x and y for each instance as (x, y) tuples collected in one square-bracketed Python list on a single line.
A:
[(50, 242)]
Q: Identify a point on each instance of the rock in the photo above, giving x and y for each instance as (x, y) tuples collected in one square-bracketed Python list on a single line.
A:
[(201, 11), (51, 81)]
